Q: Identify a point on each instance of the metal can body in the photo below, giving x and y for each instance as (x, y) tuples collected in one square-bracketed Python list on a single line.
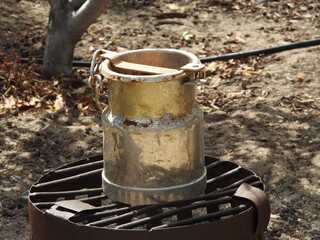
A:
[(153, 136)]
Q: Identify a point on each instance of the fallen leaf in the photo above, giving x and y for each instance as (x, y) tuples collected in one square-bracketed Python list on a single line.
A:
[(187, 36), (260, 99), (9, 102), (80, 90), (305, 95), (58, 103), (215, 81), (300, 78), (34, 101), (239, 40), (264, 94), (175, 7), (2, 108)]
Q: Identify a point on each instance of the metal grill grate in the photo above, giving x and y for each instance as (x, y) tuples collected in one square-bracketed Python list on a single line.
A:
[(69, 203), (82, 181)]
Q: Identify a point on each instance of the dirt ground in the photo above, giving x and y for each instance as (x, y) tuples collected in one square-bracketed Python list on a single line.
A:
[(260, 112)]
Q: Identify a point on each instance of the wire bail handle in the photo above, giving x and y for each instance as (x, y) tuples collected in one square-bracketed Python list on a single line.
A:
[(96, 79)]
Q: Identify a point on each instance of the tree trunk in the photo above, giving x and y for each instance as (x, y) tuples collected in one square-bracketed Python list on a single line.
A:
[(58, 55), (59, 48), (68, 20)]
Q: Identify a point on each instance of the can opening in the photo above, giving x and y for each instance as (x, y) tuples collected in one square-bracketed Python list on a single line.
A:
[(139, 69), (149, 63)]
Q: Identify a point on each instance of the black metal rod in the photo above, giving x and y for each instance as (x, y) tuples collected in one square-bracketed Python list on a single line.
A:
[(208, 217), (106, 222), (110, 206), (139, 210), (264, 51), (249, 179), (39, 196), (65, 180), (224, 175), (83, 165), (78, 169), (223, 57), (217, 164), (42, 205), (173, 212), (98, 215)]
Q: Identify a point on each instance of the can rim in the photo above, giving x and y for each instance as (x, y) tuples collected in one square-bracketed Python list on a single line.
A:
[(107, 72)]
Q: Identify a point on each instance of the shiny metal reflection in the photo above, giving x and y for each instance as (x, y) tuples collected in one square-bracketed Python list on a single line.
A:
[(153, 130)]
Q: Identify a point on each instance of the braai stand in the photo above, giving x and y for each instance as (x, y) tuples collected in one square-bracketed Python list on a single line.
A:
[(153, 180)]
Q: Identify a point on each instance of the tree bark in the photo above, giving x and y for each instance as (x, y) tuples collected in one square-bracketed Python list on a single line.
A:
[(68, 20)]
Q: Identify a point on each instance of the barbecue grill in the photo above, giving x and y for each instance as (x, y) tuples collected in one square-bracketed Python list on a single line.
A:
[(69, 203)]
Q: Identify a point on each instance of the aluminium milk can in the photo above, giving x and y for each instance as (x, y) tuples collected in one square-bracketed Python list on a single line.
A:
[(153, 142)]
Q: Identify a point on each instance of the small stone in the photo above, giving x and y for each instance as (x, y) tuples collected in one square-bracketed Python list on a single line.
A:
[(289, 79), (10, 124), (8, 213), (268, 75), (264, 140), (307, 16), (274, 216)]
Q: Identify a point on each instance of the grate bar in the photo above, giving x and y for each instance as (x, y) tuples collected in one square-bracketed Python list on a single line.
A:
[(80, 168), (39, 196), (208, 217), (42, 205), (99, 215), (216, 164), (61, 181), (92, 199), (111, 220), (172, 212), (139, 210), (248, 180), (109, 206), (82, 162), (224, 175)]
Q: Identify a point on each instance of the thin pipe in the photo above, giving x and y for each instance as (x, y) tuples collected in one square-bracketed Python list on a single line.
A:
[(223, 57)]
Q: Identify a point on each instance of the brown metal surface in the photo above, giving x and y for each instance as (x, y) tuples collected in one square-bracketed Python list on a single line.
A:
[(69, 203), (260, 202)]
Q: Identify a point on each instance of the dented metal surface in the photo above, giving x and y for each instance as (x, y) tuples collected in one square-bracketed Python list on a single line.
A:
[(153, 128), (229, 209), (151, 100)]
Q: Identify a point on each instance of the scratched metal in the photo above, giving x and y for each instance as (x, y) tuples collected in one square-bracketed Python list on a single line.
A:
[(153, 130)]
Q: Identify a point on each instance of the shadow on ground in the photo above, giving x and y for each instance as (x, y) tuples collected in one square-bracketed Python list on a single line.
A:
[(283, 148)]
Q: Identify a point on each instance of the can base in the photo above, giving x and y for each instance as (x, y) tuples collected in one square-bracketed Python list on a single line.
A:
[(142, 196)]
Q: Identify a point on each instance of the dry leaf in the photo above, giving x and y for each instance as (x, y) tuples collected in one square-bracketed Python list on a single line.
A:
[(239, 40), (58, 103), (34, 101), (187, 36), (80, 90), (9, 102), (300, 78), (175, 7)]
